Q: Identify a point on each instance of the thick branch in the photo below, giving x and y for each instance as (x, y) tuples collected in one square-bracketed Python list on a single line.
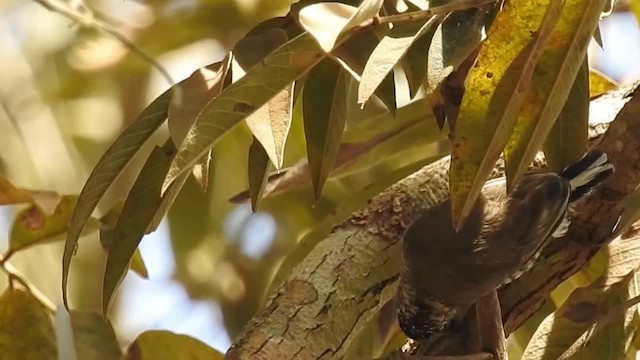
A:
[(336, 290)]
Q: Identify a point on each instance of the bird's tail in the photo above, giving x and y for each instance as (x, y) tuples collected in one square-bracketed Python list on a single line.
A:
[(585, 174)]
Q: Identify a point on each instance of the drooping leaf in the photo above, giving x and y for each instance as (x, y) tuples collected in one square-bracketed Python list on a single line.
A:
[(389, 52), (242, 98), (327, 20), (105, 172), (497, 87), (354, 53), (165, 345), (32, 226), (26, 327), (193, 94), (258, 172), (139, 209), (12, 195), (326, 89), (415, 59), (270, 124), (568, 139), (200, 171), (94, 338), (552, 82), (599, 83)]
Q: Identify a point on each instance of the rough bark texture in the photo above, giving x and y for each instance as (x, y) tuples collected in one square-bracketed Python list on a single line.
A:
[(318, 311)]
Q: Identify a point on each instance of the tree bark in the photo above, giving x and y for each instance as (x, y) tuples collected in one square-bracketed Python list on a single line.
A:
[(332, 294)]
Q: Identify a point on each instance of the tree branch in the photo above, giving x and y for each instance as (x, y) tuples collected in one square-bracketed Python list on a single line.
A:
[(332, 294)]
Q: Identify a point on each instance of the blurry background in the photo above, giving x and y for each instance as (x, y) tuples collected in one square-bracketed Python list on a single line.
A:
[(65, 94)]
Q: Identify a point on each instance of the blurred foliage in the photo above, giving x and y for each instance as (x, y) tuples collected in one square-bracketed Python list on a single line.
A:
[(78, 106)]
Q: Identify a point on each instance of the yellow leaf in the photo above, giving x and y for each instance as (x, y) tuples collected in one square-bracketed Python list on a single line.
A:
[(165, 345)]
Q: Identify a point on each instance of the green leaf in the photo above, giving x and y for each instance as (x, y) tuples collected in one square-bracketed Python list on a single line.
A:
[(327, 20), (414, 61), (139, 209), (270, 124), (389, 52), (354, 53), (551, 83), (200, 172), (599, 83), (635, 9), (26, 328), (32, 226), (496, 89), (326, 89), (94, 338), (258, 172), (568, 139), (261, 83), (105, 172), (165, 345)]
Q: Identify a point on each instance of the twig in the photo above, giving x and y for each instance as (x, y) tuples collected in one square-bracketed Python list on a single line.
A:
[(88, 20)]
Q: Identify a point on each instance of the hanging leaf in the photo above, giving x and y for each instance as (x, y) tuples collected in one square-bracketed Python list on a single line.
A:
[(497, 87), (200, 172), (165, 345), (26, 328), (258, 172), (327, 20), (107, 170), (568, 139), (414, 62), (94, 338), (262, 82), (354, 53), (32, 226), (389, 52), (270, 124), (552, 83), (139, 209), (325, 88)]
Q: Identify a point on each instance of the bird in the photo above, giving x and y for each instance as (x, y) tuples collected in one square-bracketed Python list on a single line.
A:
[(444, 271)]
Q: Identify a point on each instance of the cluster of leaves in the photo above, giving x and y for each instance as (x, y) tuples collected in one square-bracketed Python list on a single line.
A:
[(523, 88)]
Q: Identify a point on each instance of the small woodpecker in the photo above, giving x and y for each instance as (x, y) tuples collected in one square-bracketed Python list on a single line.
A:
[(445, 271)]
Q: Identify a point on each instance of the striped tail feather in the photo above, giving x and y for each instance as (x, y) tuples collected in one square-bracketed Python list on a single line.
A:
[(585, 174)]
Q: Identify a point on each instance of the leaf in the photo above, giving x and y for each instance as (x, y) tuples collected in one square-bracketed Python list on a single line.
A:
[(327, 20), (258, 172), (139, 209), (192, 94), (389, 52), (568, 139), (585, 306), (105, 172), (136, 264), (496, 89), (32, 226), (599, 83), (11, 195), (165, 345), (325, 110), (270, 124), (242, 98), (94, 337), (414, 61), (354, 53), (26, 328), (200, 172), (551, 83)]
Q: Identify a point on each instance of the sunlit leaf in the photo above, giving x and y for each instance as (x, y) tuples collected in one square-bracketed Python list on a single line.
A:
[(414, 61), (496, 89), (165, 345), (354, 53), (326, 89), (258, 172), (389, 52), (194, 93), (32, 226), (327, 20), (105, 172), (551, 83), (26, 327), (568, 139), (599, 83), (200, 171), (635, 9), (11, 195), (139, 209), (242, 98), (270, 124)]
